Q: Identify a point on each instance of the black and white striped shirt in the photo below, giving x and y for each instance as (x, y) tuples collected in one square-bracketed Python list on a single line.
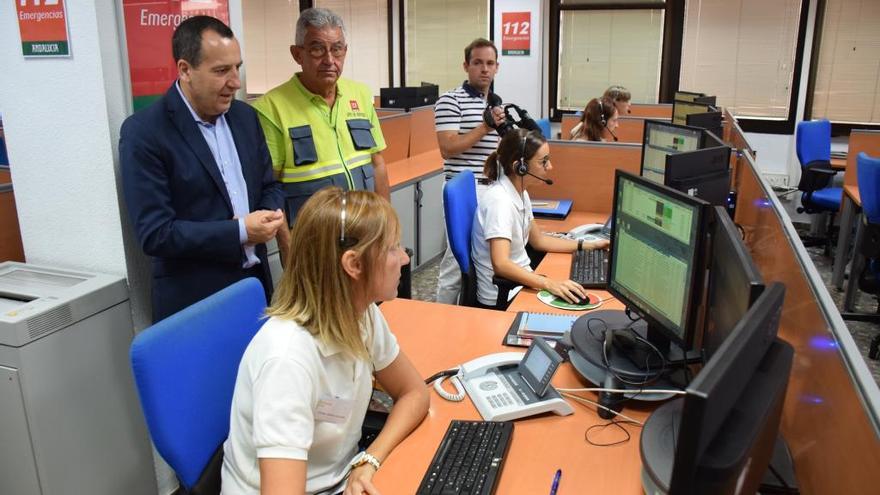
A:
[(462, 110)]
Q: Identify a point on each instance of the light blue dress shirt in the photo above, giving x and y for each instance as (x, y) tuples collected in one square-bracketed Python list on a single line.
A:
[(219, 139)]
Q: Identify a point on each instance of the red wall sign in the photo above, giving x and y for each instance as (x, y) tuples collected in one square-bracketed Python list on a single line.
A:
[(516, 33), (149, 25), (43, 28)]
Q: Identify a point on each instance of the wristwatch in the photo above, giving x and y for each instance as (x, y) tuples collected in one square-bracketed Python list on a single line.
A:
[(580, 244), (362, 458)]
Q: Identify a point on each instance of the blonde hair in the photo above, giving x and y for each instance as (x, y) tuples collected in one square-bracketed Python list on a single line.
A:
[(315, 291)]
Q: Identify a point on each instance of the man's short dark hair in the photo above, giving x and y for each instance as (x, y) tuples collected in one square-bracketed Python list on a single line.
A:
[(186, 44), (478, 43)]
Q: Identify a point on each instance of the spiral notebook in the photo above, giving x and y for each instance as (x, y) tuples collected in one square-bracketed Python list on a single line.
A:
[(527, 325)]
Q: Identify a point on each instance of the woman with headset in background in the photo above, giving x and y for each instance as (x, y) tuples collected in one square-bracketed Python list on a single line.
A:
[(305, 379), (621, 98), (504, 223), (598, 122)]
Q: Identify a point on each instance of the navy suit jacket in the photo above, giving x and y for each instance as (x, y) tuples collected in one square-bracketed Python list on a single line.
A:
[(178, 203)]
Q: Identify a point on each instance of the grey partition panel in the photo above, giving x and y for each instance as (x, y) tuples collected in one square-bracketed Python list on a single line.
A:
[(432, 229), (404, 202)]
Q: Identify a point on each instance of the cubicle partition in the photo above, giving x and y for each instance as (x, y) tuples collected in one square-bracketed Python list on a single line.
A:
[(584, 172), (422, 136), (831, 411), (651, 110), (396, 131)]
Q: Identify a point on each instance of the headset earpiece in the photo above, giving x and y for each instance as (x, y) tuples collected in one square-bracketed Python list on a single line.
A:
[(522, 168), (602, 119)]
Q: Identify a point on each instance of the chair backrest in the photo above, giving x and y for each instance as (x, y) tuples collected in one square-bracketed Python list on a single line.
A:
[(868, 170), (459, 205), (185, 368), (813, 141), (544, 124)]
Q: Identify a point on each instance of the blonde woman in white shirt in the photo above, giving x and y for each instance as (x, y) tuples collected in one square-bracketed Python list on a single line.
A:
[(504, 223), (305, 380)]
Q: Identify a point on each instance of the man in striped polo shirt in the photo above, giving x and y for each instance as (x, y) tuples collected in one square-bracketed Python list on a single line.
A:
[(465, 140)]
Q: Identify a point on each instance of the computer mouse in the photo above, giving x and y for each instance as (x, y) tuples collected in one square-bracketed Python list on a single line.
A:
[(582, 301)]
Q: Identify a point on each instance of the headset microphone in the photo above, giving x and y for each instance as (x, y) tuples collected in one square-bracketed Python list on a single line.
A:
[(549, 182), (612, 133)]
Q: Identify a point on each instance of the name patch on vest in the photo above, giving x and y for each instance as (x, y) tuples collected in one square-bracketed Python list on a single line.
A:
[(354, 105)]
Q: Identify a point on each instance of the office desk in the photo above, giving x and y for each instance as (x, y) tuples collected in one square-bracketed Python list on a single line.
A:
[(838, 163), (850, 210), (437, 337)]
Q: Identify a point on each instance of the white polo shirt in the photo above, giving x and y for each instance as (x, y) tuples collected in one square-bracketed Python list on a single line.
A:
[(299, 398), (501, 214)]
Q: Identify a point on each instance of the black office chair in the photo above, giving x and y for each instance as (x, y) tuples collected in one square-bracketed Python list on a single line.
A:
[(460, 205), (813, 146), (867, 265)]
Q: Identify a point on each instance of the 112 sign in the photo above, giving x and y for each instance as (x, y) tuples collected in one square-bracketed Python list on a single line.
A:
[(516, 33)]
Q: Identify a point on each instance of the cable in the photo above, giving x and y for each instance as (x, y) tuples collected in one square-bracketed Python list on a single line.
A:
[(613, 422), (459, 388), (624, 390), (588, 401)]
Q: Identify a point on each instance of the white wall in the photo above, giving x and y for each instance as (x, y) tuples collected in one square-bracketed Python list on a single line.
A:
[(56, 117), (520, 78)]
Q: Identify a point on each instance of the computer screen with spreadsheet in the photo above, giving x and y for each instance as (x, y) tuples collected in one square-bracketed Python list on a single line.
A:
[(663, 139), (655, 252)]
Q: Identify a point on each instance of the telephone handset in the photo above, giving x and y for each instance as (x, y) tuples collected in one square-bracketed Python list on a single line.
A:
[(582, 230), (510, 385)]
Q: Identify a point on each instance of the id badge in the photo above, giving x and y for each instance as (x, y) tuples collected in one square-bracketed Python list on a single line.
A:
[(333, 409)]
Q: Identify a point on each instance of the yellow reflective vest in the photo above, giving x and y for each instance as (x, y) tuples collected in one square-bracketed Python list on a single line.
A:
[(308, 140)]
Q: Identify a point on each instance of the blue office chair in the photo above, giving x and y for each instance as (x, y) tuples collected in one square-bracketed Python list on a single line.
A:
[(867, 265), (460, 206), (813, 145), (185, 368), (544, 124)]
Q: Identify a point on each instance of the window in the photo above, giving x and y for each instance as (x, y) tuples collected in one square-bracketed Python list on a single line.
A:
[(436, 33), (743, 52), (366, 22), (847, 78), (600, 48), (269, 27)]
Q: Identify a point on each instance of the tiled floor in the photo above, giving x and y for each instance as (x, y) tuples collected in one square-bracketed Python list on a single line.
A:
[(424, 288)]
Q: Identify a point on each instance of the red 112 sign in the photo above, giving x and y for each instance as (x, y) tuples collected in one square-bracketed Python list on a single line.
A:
[(516, 33)]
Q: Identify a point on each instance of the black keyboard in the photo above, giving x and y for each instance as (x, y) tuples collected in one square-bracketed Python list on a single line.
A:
[(469, 459), (590, 268)]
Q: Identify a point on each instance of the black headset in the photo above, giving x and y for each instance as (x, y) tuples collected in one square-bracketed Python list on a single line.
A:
[(602, 119), (522, 168)]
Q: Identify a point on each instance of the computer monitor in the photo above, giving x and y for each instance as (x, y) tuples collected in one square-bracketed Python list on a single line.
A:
[(408, 97), (719, 439), (661, 139), (703, 173), (734, 282), (655, 254), (711, 139), (711, 121), (681, 109), (687, 95)]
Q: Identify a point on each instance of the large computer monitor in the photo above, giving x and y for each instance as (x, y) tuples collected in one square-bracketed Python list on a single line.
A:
[(687, 95), (734, 282), (711, 121), (719, 439), (657, 261), (703, 173), (661, 139), (656, 251), (408, 97), (681, 109)]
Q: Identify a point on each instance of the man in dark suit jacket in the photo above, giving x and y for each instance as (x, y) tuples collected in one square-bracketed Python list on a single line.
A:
[(197, 175)]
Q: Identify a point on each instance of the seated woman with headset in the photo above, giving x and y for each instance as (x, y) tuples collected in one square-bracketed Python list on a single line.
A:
[(598, 122), (504, 223), (621, 98), (305, 379)]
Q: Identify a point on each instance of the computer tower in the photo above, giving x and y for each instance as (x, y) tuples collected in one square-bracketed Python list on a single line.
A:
[(409, 96)]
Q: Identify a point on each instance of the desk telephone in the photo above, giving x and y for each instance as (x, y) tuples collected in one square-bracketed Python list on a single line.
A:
[(592, 231), (510, 385)]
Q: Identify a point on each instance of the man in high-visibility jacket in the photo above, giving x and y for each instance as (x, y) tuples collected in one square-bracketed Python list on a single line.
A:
[(321, 129)]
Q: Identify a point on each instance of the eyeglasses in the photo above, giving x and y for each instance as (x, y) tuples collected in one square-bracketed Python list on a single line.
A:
[(544, 162), (337, 50), (343, 242)]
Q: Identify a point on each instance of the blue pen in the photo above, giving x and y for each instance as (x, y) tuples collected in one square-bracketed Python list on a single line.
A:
[(555, 484)]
